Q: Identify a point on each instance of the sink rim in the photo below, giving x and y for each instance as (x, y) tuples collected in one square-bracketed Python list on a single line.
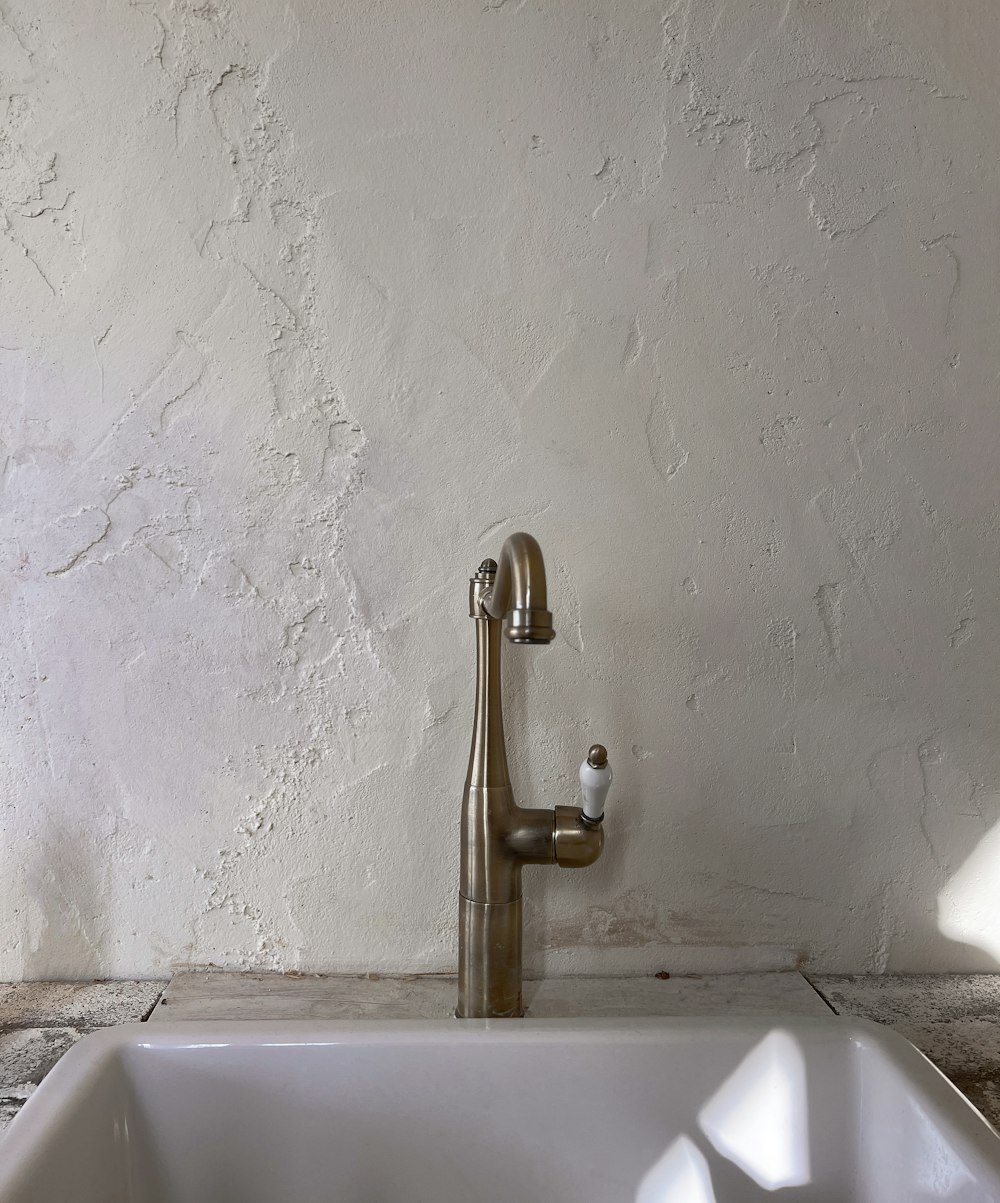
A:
[(60, 1093)]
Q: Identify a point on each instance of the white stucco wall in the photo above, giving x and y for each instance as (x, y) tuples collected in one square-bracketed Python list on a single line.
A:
[(304, 308)]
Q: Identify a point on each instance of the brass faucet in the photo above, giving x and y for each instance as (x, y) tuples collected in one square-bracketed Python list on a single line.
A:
[(498, 836)]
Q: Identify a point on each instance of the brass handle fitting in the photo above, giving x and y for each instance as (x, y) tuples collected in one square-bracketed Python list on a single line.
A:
[(578, 842)]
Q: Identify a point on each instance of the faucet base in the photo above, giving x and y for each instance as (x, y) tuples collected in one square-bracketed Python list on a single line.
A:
[(489, 960)]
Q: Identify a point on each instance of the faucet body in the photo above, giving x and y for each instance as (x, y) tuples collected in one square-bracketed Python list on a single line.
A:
[(498, 836)]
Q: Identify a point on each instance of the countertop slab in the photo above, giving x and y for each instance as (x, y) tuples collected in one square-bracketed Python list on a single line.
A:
[(280, 996), (85, 1005)]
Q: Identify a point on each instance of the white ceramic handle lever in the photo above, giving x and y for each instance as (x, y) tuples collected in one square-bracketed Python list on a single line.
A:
[(595, 781)]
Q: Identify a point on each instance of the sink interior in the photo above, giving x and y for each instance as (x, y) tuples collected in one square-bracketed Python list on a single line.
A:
[(661, 1111)]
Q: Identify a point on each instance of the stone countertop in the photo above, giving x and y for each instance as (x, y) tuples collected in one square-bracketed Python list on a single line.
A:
[(954, 1019), (39, 1021)]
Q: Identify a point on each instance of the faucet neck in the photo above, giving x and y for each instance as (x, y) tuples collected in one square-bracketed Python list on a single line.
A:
[(488, 755)]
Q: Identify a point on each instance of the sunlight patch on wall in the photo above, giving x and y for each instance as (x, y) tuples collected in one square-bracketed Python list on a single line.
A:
[(969, 904)]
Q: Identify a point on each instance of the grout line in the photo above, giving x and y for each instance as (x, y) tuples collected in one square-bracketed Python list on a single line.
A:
[(153, 1005), (812, 986)]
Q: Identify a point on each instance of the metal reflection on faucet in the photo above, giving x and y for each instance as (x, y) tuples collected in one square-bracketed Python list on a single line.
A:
[(498, 836)]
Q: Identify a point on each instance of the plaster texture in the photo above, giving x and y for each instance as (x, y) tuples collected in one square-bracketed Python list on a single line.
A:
[(304, 307)]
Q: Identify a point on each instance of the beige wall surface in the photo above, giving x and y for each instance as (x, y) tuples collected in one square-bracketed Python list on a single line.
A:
[(304, 307)]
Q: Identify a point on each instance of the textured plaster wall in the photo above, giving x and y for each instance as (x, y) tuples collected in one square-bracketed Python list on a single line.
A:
[(304, 308)]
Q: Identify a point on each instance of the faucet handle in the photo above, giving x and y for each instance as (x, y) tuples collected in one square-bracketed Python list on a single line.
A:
[(595, 781)]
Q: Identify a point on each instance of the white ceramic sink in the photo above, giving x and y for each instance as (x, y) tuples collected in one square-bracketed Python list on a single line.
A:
[(662, 1111)]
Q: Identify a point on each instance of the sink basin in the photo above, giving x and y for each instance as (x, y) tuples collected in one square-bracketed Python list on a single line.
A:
[(653, 1111)]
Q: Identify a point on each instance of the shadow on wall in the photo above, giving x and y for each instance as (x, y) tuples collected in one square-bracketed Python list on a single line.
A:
[(596, 710), (912, 913), (743, 885), (65, 930)]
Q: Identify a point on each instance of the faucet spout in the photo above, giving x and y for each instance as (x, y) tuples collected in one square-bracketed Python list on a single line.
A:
[(519, 594)]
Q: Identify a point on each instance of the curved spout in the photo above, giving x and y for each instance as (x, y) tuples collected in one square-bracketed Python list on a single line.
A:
[(519, 592)]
